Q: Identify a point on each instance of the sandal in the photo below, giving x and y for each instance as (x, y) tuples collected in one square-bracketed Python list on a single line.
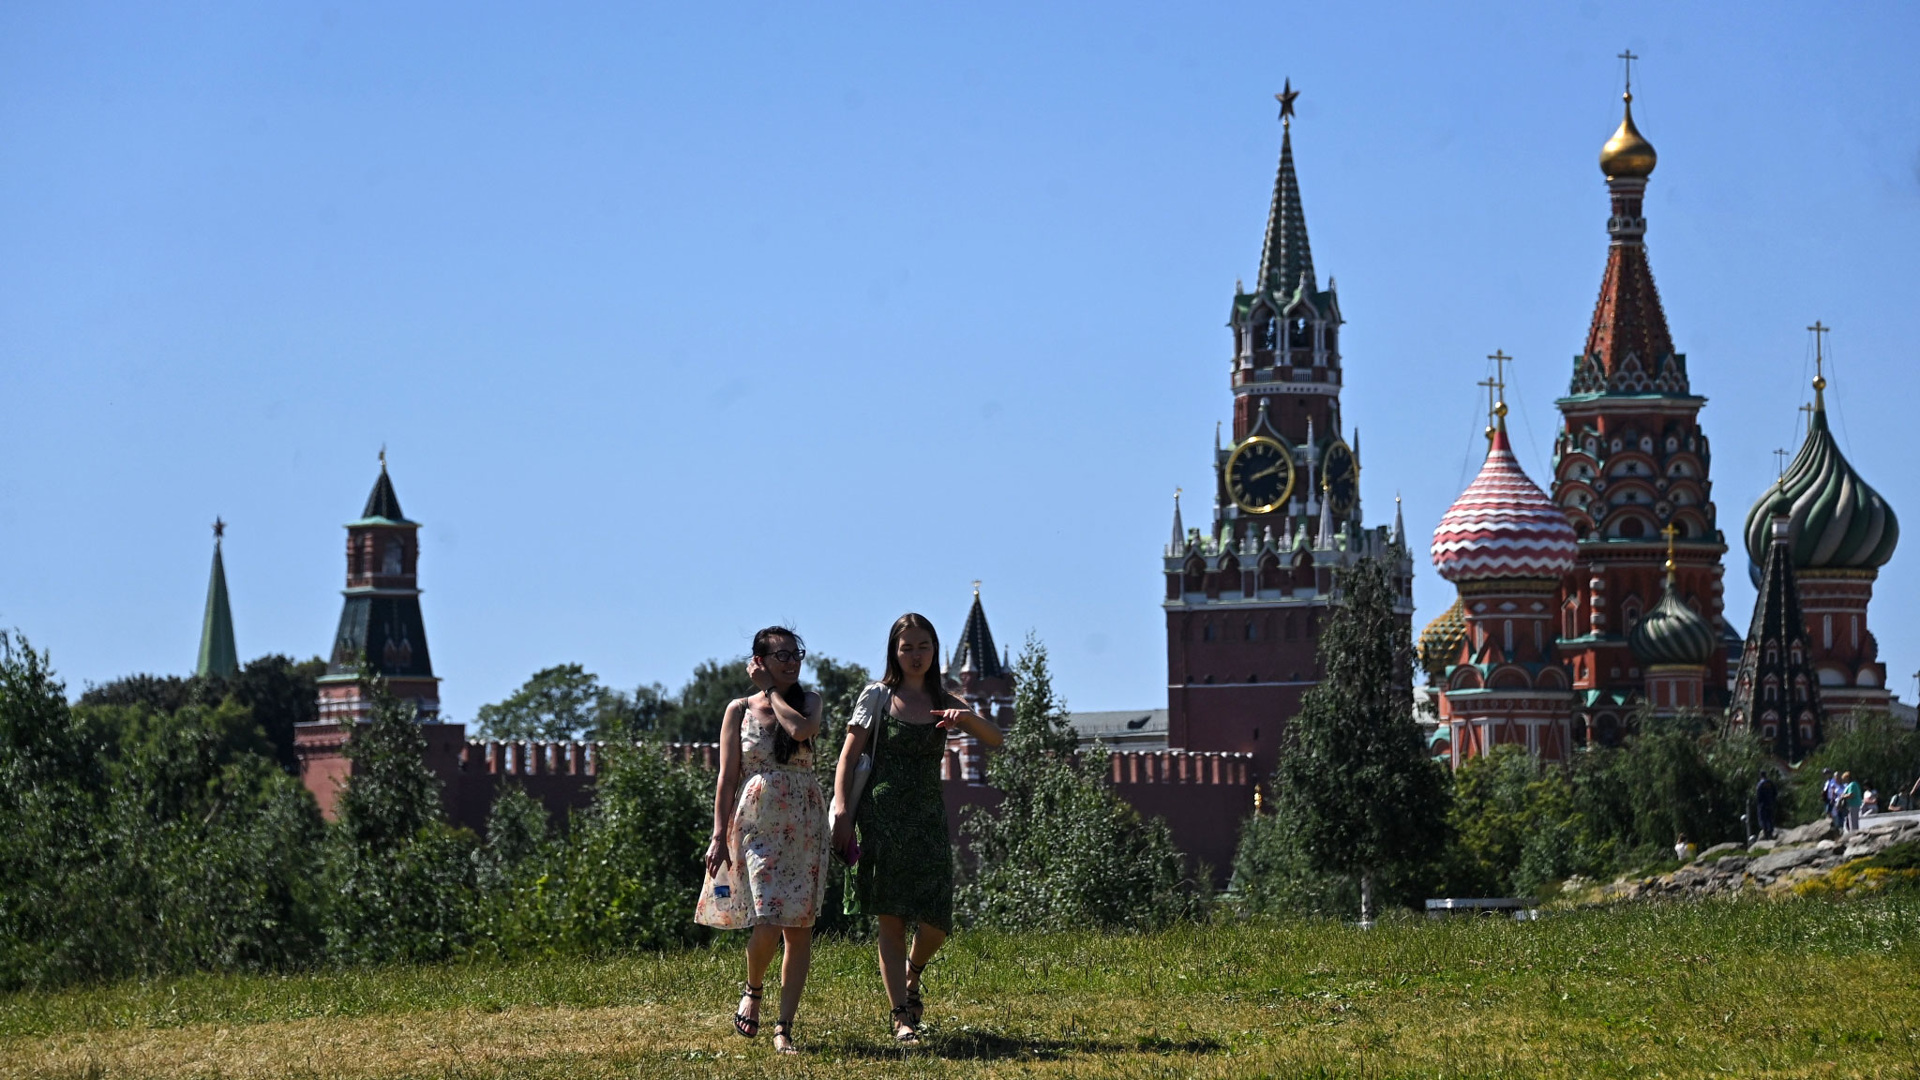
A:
[(748, 1026), (783, 1029), (904, 1029), (914, 1004)]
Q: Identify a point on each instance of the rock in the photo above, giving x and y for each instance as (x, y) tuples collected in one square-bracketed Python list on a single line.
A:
[(1763, 845), (1826, 845), (1779, 862), (1716, 850), (1819, 829), (1731, 865)]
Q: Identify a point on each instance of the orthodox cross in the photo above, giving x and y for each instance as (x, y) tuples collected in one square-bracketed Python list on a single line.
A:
[(1820, 333), (1780, 461), (1285, 98), (1500, 361), (1629, 57), (219, 529), (1670, 532)]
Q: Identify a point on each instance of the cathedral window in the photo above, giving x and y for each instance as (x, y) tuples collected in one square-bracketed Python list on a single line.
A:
[(1206, 633), (1248, 632), (1269, 331), (1299, 334)]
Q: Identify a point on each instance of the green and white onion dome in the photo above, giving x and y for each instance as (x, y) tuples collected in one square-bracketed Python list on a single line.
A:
[(1837, 522), (1672, 633)]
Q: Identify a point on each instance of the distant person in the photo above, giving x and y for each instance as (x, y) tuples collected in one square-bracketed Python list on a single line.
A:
[(1830, 794), (1850, 799), (1764, 799), (1683, 848), (894, 833), (1870, 804), (768, 862)]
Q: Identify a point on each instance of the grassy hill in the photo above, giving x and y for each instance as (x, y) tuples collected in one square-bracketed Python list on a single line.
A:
[(1799, 988)]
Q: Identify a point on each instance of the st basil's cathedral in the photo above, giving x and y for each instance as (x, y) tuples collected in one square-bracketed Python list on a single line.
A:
[(1602, 598)]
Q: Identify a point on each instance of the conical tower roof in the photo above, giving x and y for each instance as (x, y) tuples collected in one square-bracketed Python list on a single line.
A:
[(1837, 522), (976, 652), (218, 656), (1286, 259)]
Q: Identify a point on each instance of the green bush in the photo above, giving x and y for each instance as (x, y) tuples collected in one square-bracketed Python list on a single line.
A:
[(1061, 850)]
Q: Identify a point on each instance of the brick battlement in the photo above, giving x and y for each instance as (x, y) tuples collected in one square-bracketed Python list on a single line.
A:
[(563, 758)]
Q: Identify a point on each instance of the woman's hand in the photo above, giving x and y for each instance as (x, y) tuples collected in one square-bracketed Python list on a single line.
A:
[(843, 836), (954, 719), (718, 856), (757, 671)]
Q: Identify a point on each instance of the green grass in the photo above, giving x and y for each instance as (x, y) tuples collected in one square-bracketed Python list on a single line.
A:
[(1801, 988)]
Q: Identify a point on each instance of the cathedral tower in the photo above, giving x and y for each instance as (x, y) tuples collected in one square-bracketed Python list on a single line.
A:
[(1630, 461), (1505, 547), (218, 656), (1840, 533), (1245, 598)]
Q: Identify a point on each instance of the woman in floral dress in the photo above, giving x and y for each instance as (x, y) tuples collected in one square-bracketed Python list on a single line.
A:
[(903, 867), (767, 864)]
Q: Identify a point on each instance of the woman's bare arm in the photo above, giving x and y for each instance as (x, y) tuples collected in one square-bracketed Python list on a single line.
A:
[(726, 788), (802, 725), (972, 723)]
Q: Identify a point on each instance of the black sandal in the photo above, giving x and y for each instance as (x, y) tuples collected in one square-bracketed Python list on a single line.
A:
[(903, 1018), (914, 1004), (748, 1026), (783, 1029)]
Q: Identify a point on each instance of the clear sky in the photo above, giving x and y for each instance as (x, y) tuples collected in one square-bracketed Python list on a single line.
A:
[(679, 320)]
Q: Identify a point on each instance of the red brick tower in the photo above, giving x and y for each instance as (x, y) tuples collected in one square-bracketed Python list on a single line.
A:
[(380, 626), (976, 673), (1245, 599), (1630, 461)]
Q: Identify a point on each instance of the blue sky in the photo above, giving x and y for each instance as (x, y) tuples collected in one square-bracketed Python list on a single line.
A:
[(681, 320)]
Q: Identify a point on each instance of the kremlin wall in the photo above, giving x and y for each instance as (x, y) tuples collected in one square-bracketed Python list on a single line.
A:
[(1580, 606)]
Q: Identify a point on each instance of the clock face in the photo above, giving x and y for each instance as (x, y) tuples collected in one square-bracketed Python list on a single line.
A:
[(1260, 475), (1340, 478)]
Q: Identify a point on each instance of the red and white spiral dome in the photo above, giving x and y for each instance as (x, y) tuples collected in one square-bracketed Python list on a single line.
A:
[(1503, 526)]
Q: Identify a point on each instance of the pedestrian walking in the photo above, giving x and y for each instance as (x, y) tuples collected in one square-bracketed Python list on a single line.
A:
[(1764, 799), (1850, 800)]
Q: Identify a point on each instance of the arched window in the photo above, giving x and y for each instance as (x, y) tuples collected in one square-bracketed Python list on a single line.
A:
[(1206, 633), (1267, 331), (1299, 334), (1249, 632)]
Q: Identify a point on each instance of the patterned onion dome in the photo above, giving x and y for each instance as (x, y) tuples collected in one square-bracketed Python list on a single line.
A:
[(1440, 642), (1672, 633), (1502, 526), (1838, 522)]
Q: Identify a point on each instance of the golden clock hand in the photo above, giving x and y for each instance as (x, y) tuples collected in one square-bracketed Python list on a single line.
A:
[(1274, 471)]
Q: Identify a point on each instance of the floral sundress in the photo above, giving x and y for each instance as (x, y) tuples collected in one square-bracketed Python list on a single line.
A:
[(778, 839)]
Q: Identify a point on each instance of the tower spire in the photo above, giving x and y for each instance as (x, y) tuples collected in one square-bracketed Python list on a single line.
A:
[(1629, 348), (218, 657), (1179, 530), (1285, 259)]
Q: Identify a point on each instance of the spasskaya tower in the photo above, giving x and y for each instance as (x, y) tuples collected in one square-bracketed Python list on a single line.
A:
[(1246, 596)]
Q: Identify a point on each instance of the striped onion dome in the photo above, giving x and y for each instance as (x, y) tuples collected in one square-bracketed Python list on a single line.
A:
[(1502, 526), (1440, 642), (1837, 521), (1672, 633)]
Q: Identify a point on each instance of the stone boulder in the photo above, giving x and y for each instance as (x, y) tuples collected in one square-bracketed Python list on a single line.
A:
[(1820, 829), (1716, 850), (1774, 863)]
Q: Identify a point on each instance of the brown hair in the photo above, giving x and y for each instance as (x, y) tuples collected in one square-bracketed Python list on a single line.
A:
[(936, 688), (784, 744)]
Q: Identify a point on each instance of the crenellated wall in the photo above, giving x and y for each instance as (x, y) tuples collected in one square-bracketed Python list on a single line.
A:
[(1203, 797)]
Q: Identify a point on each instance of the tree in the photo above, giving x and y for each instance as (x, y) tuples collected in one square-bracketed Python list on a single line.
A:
[(1880, 754), (557, 703), (703, 701), (1352, 774), (1061, 850), (279, 691), (399, 879)]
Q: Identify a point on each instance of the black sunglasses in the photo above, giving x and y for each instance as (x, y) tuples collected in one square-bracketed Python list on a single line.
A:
[(788, 656)]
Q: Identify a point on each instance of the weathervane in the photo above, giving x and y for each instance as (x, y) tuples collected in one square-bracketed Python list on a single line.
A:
[(1285, 98)]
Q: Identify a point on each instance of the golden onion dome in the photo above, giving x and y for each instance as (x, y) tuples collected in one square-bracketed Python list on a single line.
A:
[(1628, 153), (1440, 642)]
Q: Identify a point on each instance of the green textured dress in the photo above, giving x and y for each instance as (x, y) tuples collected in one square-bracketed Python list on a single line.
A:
[(906, 859)]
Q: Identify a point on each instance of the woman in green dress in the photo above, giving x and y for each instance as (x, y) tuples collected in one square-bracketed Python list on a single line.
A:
[(902, 862)]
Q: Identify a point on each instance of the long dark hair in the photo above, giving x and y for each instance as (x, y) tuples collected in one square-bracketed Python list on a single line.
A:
[(894, 678), (783, 744)]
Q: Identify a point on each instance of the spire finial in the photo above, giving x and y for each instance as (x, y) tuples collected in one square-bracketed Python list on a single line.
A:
[(976, 588), (1670, 532), (383, 457), (1629, 57), (1820, 332), (1285, 98), (219, 529)]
